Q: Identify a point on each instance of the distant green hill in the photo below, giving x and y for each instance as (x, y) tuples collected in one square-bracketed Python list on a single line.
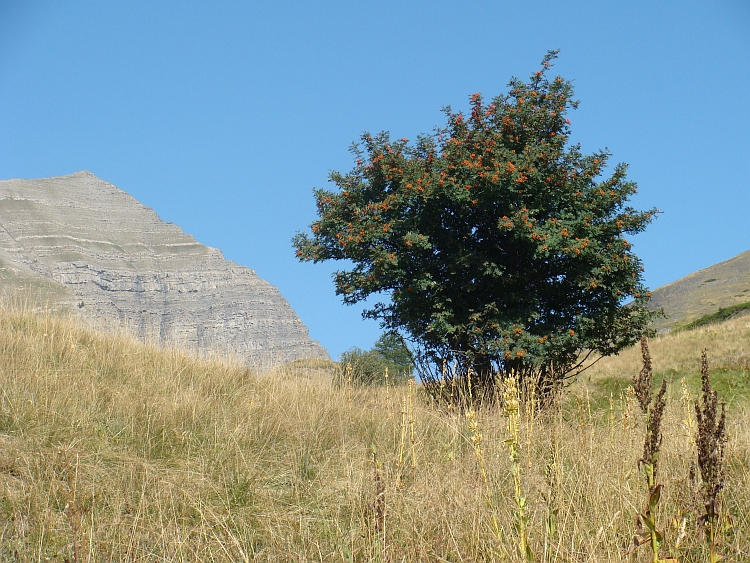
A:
[(703, 293)]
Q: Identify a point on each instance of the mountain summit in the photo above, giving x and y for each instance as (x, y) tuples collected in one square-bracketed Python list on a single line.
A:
[(82, 243)]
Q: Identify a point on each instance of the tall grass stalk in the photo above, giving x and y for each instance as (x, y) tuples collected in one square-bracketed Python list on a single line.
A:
[(511, 410), (73, 511), (476, 442), (379, 509), (402, 442), (412, 434), (550, 496)]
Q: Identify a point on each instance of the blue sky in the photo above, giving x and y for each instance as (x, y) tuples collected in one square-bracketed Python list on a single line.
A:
[(223, 116)]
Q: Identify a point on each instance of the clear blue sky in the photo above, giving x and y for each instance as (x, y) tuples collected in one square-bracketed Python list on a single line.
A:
[(223, 116)]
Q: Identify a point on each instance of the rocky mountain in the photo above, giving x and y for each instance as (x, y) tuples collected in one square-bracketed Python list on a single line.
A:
[(703, 292), (81, 243)]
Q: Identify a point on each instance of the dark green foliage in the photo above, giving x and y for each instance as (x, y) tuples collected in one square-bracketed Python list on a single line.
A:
[(500, 245), (722, 314), (368, 366), (392, 348)]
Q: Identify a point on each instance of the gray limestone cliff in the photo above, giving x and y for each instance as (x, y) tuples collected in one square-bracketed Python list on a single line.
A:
[(79, 242)]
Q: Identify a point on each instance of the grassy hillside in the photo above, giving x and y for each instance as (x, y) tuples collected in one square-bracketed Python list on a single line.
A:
[(676, 355), (704, 292), (111, 450), (20, 284)]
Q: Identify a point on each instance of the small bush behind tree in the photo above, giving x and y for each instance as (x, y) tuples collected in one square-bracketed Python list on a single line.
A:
[(393, 349), (497, 246), (368, 367)]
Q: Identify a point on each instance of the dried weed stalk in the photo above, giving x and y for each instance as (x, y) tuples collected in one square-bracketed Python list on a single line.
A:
[(649, 462), (710, 442), (642, 381)]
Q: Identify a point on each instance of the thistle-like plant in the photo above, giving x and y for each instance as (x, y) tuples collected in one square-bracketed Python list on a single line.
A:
[(710, 442)]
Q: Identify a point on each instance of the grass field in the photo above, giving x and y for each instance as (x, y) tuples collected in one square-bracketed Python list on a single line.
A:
[(111, 450)]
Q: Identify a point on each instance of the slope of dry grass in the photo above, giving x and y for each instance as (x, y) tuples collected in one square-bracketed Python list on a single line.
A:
[(115, 451), (703, 292), (677, 355)]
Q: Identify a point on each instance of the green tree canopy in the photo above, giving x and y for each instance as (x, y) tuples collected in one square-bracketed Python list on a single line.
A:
[(392, 348), (368, 367), (500, 245)]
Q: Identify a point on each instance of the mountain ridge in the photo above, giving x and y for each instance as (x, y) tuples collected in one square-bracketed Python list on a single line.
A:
[(703, 292), (87, 246)]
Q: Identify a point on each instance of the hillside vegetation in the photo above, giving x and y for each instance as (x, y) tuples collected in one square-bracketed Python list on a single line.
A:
[(702, 293), (111, 450)]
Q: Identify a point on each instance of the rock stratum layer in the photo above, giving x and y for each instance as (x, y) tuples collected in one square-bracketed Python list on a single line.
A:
[(81, 243)]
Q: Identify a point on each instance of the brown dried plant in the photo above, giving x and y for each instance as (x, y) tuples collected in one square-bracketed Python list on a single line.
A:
[(642, 381), (649, 462), (379, 502), (710, 443)]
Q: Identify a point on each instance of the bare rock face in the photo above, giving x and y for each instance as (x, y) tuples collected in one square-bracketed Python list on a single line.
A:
[(80, 242)]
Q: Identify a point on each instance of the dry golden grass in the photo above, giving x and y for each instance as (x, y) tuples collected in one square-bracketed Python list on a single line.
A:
[(728, 346), (111, 450), (677, 355)]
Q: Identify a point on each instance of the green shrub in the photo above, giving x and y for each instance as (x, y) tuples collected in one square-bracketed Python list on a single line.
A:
[(368, 367), (722, 314)]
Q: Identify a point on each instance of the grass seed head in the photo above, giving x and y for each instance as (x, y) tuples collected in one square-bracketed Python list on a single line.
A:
[(510, 396)]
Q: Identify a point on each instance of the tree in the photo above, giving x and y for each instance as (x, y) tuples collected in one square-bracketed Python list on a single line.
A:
[(500, 245), (392, 348), (368, 366)]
